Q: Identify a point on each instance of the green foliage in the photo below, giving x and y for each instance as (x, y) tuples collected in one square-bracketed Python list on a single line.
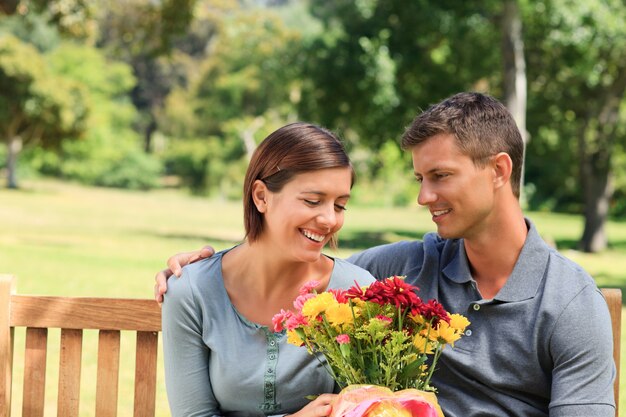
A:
[(378, 62), (384, 177), (110, 153), (35, 103), (207, 166), (576, 67), (106, 162), (73, 18), (32, 28), (143, 28), (252, 70), (236, 95)]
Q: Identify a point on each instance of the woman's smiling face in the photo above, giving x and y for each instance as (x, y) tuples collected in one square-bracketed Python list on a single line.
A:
[(304, 215)]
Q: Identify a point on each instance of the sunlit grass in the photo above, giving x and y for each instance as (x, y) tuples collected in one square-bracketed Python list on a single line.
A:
[(64, 239)]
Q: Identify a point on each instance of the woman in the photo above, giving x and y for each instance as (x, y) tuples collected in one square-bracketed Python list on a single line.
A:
[(221, 354)]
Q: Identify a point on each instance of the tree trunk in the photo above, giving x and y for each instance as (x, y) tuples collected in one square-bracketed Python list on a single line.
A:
[(596, 143), (14, 147), (9, 6), (598, 189), (515, 83), (150, 129), (247, 136)]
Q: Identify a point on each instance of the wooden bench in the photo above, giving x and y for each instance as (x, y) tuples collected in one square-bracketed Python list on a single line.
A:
[(72, 315)]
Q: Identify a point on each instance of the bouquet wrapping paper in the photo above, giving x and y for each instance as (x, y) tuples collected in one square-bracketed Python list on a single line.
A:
[(377, 401)]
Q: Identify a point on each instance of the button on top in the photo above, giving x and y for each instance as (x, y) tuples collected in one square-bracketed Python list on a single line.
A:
[(272, 343), (476, 307), (468, 332)]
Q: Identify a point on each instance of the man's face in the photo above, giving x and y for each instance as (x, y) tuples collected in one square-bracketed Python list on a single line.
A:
[(458, 194)]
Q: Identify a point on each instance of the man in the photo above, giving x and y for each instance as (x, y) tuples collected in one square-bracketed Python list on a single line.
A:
[(540, 341)]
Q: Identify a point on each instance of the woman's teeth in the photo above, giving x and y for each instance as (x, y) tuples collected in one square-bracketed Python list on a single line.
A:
[(313, 236)]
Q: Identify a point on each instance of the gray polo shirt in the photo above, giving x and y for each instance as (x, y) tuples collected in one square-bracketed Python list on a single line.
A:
[(541, 347)]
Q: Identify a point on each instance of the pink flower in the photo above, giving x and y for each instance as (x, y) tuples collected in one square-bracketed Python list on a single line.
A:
[(301, 299), (280, 318), (308, 287), (295, 320), (343, 339)]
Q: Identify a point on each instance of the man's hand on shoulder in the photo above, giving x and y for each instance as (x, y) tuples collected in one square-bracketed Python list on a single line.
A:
[(175, 267)]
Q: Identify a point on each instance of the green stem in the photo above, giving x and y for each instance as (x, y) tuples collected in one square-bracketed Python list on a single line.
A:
[(432, 366)]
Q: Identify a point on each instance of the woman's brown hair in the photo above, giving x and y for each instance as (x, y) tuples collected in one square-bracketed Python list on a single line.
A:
[(293, 149)]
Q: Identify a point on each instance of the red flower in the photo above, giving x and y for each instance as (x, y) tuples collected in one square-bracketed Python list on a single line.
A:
[(384, 318), (392, 290), (340, 295), (433, 310)]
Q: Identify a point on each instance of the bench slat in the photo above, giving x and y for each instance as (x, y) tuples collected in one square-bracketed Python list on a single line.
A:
[(108, 371), (35, 372), (85, 313), (69, 372), (145, 374), (613, 297), (6, 345)]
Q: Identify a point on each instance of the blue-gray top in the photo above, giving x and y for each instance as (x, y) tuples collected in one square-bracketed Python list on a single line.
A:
[(219, 363)]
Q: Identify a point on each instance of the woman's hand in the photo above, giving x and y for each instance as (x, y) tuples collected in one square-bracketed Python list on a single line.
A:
[(175, 267), (319, 407)]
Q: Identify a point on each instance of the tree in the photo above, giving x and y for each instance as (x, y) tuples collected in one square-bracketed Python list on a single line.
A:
[(378, 62), (142, 33), (74, 18), (240, 91), (35, 105), (579, 105)]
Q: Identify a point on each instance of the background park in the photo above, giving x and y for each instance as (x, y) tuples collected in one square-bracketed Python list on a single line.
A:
[(126, 126)]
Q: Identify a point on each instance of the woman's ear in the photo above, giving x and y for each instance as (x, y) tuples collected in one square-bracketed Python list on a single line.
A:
[(259, 195), (502, 168)]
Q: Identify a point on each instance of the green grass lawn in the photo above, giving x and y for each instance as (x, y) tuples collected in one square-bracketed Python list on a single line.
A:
[(63, 239)]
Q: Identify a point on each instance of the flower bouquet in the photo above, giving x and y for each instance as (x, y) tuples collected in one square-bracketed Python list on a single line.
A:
[(381, 344)]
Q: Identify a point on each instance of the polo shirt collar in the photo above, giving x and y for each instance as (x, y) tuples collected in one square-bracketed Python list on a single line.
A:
[(528, 272)]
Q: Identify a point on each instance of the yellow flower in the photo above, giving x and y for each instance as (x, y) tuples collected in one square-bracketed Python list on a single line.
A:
[(448, 334), (357, 302), (293, 338), (417, 318), (458, 322), (338, 314), (318, 304), (422, 344), (429, 332)]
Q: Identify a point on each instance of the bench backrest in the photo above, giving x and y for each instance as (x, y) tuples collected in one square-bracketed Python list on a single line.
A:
[(72, 315), (613, 298)]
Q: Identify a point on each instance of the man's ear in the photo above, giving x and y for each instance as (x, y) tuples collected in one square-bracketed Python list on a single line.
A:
[(259, 195), (502, 169)]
